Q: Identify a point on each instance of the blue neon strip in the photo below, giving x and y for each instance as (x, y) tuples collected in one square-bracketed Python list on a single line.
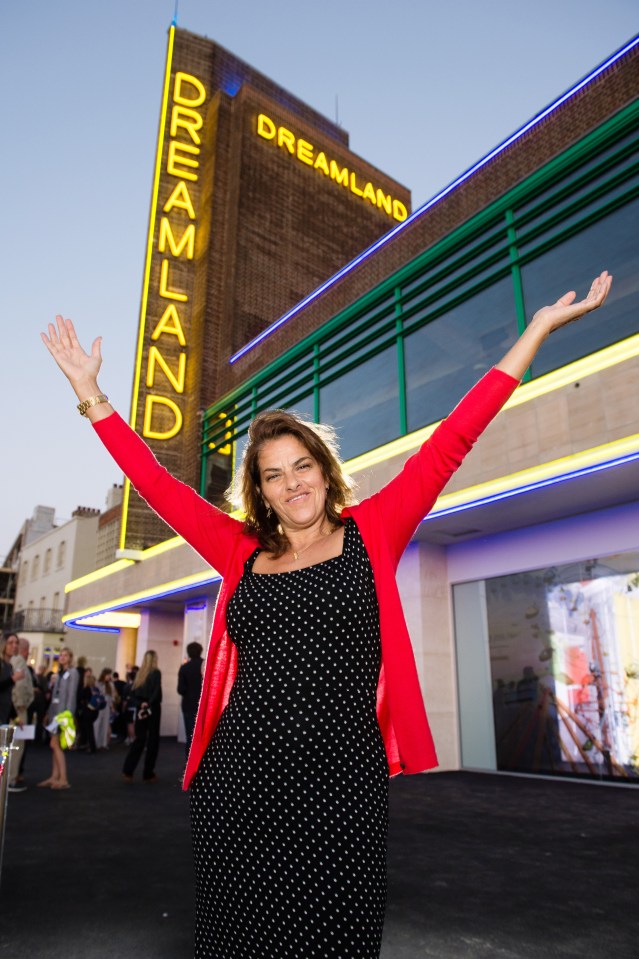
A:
[(531, 487), (430, 203), (192, 607), (214, 578)]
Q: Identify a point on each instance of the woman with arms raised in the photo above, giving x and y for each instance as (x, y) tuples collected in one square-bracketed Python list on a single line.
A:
[(310, 696)]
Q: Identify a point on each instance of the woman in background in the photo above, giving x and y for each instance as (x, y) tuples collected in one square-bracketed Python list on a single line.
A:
[(64, 698), (103, 722), (146, 699), (8, 676), (87, 712)]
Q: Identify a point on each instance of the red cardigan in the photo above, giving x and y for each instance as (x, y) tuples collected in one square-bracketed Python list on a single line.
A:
[(386, 521)]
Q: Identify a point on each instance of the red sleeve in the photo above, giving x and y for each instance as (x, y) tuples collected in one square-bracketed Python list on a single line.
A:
[(411, 494), (206, 528)]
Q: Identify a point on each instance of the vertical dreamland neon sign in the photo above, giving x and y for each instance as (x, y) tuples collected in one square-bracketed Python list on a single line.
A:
[(161, 360)]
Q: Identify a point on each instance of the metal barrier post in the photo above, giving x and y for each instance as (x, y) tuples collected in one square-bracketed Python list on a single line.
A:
[(6, 745)]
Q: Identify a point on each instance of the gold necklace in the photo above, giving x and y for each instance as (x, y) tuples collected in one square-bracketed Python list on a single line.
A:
[(298, 553)]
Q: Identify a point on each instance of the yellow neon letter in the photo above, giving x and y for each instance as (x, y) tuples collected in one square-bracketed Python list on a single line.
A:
[(182, 80), (169, 323), (384, 202), (265, 127), (177, 382), (226, 449), (189, 120), (399, 210), (340, 175), (180, 198), (354, 187), (305, 152), (148, 416), (174, 160), (369, 194), (286, 138), (164, 285), (321, 164), (166, 236)]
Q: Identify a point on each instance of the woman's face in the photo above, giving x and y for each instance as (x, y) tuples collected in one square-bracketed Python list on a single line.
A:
[(63, 659), (11, 647), (292, 483)]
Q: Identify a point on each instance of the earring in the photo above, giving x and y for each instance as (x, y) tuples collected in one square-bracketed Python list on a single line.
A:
[(268, 511)]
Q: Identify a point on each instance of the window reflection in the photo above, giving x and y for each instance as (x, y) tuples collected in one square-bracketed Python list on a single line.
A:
[(446, 357), (363, 405), (564, 652), (613, 244)]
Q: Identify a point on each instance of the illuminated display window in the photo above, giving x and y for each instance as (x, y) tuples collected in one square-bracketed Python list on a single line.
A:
[(454, 310), (563, 648)]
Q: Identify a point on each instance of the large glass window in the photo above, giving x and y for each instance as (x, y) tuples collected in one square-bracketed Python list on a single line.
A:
[(450, 285), (564, 660), (445, 358), (612, 244), (304, 406), (363, 405), (287, 387)]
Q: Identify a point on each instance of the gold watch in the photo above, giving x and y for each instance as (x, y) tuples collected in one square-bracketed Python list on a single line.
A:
[(92, 401)]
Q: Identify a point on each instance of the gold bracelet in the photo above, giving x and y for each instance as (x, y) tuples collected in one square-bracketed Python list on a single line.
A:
[(92, 401)]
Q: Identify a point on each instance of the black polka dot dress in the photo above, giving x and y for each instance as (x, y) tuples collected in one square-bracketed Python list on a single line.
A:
[(289, 808)]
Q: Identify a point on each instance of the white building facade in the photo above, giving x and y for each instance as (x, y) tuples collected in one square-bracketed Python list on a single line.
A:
[(46, 565)]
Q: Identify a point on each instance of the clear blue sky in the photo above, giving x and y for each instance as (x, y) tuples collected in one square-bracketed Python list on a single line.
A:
[(424, 89)]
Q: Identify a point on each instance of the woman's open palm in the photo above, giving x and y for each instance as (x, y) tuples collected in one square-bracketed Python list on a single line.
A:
[(565, 310), (64, 346)]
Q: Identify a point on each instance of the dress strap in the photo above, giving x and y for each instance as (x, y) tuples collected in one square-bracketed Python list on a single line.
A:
[(349, 534), (248, 565)]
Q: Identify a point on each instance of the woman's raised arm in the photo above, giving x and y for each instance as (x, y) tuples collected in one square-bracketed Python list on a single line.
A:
[(208, 530), (551, 318), (411, 494)]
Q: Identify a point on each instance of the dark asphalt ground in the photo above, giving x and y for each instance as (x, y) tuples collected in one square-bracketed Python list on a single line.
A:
[(479, 865)]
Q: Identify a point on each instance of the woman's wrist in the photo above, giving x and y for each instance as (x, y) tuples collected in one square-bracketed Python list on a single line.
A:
[(539, 329), (84, 389), (522, 353), (94, 404)]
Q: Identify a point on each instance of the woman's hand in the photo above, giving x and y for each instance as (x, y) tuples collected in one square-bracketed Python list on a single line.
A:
[(565, 310), (80, 368), (551, 318)]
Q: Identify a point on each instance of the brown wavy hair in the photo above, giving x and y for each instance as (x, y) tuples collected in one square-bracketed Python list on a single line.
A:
[(320, 441)]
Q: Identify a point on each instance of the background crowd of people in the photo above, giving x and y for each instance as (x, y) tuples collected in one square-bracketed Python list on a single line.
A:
[(67, 707)]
